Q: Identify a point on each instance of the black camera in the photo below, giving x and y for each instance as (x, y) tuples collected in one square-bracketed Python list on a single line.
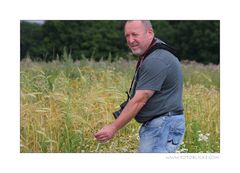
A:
[(117, 113)]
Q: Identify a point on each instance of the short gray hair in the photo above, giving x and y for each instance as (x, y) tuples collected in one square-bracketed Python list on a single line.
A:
[(146, 23)]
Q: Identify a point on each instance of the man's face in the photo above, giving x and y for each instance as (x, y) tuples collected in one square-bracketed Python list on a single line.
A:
[(138, 37)]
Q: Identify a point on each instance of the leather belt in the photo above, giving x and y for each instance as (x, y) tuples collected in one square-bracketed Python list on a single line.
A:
[(171, 113)]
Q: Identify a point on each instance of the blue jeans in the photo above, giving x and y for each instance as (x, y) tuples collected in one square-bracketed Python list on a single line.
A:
[(162, 135)]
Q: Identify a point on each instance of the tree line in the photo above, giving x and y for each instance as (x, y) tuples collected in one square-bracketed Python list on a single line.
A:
[(197, 40)]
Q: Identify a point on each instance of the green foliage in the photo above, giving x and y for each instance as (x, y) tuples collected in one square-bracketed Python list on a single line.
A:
[(197, 40), (101, 39)]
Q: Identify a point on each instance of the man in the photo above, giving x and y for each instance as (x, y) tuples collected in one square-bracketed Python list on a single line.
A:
[(156, 99)]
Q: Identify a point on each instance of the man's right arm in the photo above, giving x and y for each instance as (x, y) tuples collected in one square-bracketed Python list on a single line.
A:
[(130, 111)]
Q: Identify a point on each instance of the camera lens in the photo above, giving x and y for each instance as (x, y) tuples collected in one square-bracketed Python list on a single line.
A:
[(117, 113)]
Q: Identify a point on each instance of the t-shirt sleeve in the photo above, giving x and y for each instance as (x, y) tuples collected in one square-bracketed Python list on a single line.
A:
[(151, 75)]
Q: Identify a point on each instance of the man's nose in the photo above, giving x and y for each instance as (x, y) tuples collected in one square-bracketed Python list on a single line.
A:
[(130, 39)]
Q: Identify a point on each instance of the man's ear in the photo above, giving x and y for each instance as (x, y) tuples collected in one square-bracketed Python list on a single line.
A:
[(150, 32)]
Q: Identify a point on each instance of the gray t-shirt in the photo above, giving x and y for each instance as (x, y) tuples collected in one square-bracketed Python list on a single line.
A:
[(161, 72)]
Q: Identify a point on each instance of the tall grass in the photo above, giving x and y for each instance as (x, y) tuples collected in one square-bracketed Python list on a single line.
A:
[(64, 104)]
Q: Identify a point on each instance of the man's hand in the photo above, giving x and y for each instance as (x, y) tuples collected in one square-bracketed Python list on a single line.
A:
[(105, 133)]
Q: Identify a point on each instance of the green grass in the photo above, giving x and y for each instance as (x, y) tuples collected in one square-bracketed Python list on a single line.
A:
[(64, 104)]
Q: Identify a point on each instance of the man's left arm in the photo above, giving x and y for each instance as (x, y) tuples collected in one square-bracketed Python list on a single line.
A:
[(129, 112)]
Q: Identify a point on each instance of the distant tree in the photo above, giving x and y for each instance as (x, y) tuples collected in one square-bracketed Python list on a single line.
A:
[(194, 40), (30, 38)]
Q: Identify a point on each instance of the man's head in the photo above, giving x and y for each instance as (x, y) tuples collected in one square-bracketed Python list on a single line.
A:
[(139, 35)]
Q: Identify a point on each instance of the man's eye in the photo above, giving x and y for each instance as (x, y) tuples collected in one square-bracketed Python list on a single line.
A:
[(134, 35)]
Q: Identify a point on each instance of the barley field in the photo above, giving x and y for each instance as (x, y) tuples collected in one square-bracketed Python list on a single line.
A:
[(62, 105)]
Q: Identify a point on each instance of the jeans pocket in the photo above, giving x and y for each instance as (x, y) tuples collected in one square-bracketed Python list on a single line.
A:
[(175, 135)]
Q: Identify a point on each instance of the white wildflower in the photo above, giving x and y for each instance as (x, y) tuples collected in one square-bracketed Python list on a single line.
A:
[(203, 137)]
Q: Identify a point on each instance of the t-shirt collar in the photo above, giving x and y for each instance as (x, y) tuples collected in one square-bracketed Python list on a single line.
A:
[(152, 43)]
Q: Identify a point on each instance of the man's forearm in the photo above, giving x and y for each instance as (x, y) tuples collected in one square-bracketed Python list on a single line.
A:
[(129, 112)]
